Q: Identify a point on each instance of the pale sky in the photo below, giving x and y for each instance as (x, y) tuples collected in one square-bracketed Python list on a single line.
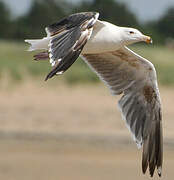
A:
[(144, 9), (148, 9)]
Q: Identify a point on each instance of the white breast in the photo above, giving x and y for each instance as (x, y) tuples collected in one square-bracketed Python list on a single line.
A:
[(105, 37)]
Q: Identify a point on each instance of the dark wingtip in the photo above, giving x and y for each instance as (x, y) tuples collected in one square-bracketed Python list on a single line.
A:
[(144, 168), (152, 172), (152, 150), (52, 73), (159, 170), (47, 77), (145, 156)]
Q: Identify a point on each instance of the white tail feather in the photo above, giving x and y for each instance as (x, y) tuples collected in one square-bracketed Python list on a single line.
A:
[(37, 44)]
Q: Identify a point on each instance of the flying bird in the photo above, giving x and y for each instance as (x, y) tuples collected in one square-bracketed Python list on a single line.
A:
[(103, 46)]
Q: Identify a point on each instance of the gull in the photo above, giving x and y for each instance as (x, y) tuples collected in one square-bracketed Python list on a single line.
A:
[(103, 46)]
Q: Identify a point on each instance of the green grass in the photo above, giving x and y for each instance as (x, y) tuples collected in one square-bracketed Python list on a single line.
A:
[(17, 62)]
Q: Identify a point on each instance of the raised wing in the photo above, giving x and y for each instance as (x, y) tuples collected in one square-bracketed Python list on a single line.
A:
[(126, 72), (67, 39), (70, 22)]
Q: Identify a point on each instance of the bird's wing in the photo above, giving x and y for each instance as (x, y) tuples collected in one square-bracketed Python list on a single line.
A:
[(67, 39), (128, 73)]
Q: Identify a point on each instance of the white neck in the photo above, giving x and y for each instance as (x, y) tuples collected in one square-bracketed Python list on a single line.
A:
[(105, 37)]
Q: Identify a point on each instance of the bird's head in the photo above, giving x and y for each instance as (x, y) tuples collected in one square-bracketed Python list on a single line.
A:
[(131, 35)]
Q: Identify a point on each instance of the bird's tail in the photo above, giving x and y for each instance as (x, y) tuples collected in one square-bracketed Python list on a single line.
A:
[(38, 44)]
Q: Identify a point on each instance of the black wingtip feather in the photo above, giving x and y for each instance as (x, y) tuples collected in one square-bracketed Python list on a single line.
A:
[(145, 156), (50, 75), (152, 150), (47, 77), (159, 174), (64, 65)]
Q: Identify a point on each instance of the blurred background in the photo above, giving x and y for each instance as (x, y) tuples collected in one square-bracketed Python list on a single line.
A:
[(70, 127)]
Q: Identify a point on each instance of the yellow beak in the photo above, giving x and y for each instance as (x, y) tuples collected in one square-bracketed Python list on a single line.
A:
[(147, 39)]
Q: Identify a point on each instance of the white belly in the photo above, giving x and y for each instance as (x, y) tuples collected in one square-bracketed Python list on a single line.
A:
[(104, 38)]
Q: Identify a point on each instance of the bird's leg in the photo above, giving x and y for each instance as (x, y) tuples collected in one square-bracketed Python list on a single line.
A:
[(41, 56)]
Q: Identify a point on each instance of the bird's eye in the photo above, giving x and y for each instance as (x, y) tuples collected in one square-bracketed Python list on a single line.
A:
[(131, 32)]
